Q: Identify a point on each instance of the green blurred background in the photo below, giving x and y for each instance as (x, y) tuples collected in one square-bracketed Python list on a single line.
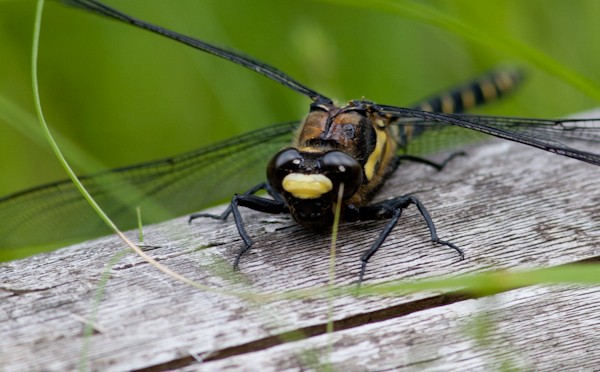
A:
[(122, 95)]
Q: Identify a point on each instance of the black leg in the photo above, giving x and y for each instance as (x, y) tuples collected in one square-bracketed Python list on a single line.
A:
[(437, 166), (392, 209), (255, 203), (223, 216), (384, 234), (249, 200)]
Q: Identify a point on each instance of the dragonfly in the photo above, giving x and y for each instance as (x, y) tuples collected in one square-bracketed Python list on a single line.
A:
[(346, 150)]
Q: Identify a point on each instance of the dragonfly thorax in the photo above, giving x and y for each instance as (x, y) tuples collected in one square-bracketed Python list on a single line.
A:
[(328, 127)]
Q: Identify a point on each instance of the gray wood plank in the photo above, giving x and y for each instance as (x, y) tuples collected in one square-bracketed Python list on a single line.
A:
[(506, 205), (536, 328)]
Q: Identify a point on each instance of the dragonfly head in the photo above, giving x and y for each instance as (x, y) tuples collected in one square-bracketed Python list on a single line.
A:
[(310, 182)]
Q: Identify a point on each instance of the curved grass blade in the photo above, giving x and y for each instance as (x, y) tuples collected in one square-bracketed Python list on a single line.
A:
[(163, 189)]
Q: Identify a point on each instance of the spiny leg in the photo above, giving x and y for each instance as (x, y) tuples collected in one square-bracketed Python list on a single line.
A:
[(384, 234), (392, 209)]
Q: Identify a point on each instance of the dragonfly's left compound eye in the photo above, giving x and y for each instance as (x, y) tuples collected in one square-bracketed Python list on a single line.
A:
[(340, 167)]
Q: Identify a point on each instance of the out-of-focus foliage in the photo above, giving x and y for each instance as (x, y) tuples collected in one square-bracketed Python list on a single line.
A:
[(123, 95)]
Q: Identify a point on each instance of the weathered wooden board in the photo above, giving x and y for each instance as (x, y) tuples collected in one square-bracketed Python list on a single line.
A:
[(506, 205), (536, 328)]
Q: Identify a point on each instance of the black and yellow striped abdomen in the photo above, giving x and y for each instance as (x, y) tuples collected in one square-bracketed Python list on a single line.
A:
[(484, 89)]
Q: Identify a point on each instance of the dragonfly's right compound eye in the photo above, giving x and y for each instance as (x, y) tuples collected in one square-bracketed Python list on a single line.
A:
[(283, 163)]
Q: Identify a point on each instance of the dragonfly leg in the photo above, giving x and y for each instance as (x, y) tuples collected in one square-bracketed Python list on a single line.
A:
[(256, 203), (223, 216), (437, 166), (392, 209), (249, 200)]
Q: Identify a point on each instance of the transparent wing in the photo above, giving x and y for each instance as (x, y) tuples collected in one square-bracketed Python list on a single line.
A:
[(575, 138), (435, 137), (559, 132), (58, 214)]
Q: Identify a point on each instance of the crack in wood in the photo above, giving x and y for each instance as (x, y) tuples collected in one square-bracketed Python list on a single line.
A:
[(338, 325), (315, 330), (22, 291)]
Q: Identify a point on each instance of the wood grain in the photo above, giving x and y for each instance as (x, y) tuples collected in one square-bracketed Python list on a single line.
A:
[(508, 206)]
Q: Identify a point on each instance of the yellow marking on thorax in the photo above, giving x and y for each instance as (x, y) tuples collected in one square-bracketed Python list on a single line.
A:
[(376, 154), (395, 132)]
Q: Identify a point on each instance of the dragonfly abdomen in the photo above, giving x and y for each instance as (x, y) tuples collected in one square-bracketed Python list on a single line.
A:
[(484, 89)]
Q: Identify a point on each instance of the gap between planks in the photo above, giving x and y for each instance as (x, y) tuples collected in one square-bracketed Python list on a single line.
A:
[(338, 325)]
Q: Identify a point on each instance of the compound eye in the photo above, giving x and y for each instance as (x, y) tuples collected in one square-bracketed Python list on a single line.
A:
[(341, 167), (283, 163), (288, 159)]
